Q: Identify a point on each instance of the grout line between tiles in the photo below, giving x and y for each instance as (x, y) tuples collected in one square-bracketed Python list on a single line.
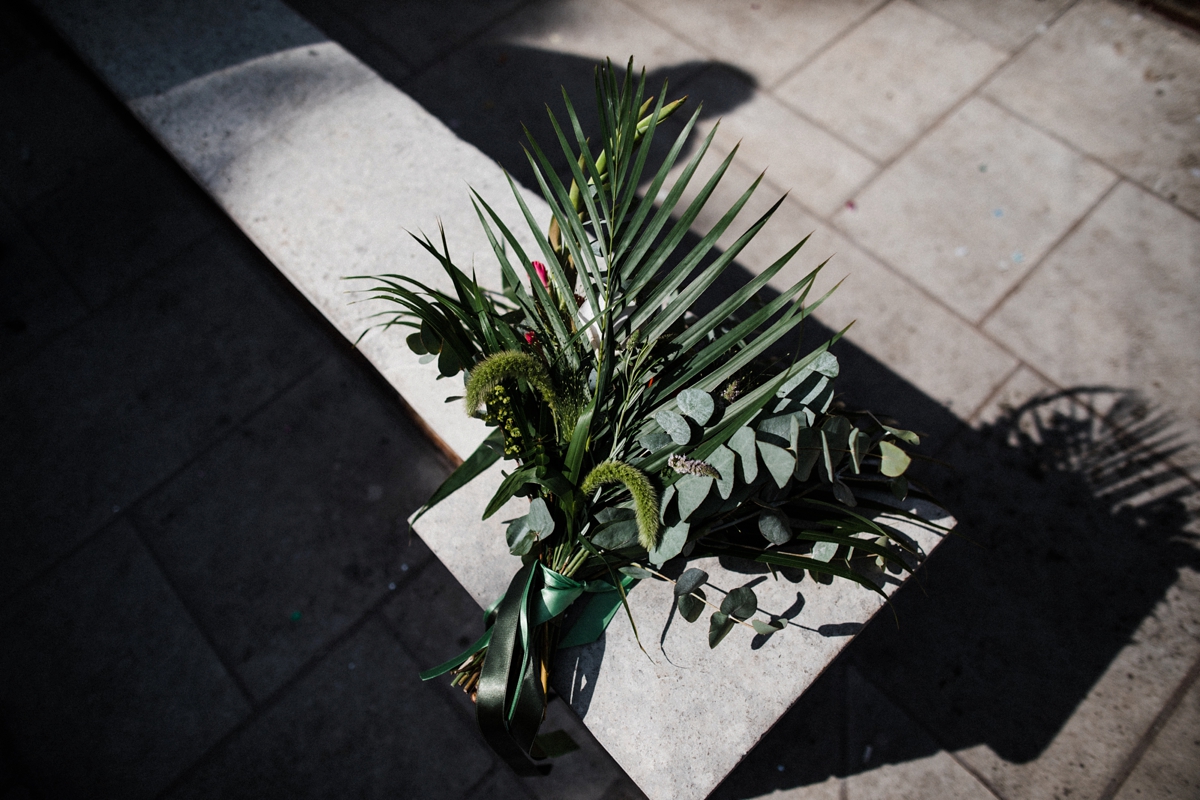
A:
[(932, 734), (466, 41), (233, 674), (273, 698), (353, 22), (1194, 215), (973, 416), (1045, 256), (1160, 721), (216, 441), (829, 45)]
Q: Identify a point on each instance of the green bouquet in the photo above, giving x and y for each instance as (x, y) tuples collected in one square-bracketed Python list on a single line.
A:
[(641, 430)]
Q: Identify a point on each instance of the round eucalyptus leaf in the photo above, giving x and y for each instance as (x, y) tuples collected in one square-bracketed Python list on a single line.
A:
[(690, 580), (692, 491), (617, 528), (740, 603), (539, 518), (808, 452), (718, 626), (675, 425), (775, 527), (903, 435), (670, 542), (519, 537), (447, 363), (696, 404), (722, 460), (635, 571), (780, 463), (824, 551), (742, 443), (429, 338), (690, 606), (895, 460), (768, 628), (415, 344), (655, 440), (843, 494)]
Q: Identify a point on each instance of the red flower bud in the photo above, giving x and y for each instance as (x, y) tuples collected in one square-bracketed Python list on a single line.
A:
[(540, 269), (530, 338)]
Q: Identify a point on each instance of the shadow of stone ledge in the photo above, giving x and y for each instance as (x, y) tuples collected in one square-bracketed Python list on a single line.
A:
[(1072, 527)]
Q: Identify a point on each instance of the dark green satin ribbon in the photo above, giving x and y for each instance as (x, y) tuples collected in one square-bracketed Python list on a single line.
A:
[(510, 700)]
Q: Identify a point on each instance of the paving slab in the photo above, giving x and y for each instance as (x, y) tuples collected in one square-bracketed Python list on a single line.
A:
[(1171, 766), (36, 301), (1023, 386), (804, 755), (433, 614), (973, 207), (878, 733), (602, 681), (1122, 291), (1120, 86), (42, 145), (1006, 24), (891, 77), (812, 165), (360, 724), (105, 246), (488, 89), (196, 347), (767, 39), (1042, 648), (94, 711), (284, 534), (1084, 755), (418, 33)]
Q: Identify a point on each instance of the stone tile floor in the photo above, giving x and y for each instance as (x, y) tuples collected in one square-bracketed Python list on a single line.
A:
[(206, 586)]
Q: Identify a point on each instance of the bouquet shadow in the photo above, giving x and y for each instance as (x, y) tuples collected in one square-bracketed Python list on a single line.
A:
[(1073, 528)]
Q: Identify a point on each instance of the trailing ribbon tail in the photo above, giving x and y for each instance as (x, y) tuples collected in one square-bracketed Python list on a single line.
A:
[(510, 700), (508, 690)]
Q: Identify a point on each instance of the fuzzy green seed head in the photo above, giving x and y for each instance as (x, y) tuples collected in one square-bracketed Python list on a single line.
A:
[(488, 373), (645, 498)]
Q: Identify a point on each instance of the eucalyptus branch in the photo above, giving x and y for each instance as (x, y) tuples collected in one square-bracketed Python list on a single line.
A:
[(701, 598)]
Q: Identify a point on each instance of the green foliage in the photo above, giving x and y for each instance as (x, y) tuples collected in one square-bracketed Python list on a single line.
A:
[(613, 385)]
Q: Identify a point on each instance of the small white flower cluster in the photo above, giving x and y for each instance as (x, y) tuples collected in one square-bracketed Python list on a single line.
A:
[(692, 466)]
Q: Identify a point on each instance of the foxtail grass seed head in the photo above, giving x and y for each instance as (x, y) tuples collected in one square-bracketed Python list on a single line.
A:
[(645, 498)]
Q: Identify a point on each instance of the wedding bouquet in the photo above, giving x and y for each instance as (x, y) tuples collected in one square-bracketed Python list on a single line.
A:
[(644, 420)]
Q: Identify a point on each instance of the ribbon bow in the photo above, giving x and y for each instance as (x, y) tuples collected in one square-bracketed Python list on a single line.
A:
[(510, 700)]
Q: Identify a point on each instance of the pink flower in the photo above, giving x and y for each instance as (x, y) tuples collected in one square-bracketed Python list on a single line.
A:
[(540, 269), (530, 338)]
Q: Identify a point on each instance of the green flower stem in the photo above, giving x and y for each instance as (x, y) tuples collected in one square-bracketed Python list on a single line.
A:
[(575, 563)]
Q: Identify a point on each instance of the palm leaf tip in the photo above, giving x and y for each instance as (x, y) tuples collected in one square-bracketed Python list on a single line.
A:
[(645, 498), (488, 373)]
